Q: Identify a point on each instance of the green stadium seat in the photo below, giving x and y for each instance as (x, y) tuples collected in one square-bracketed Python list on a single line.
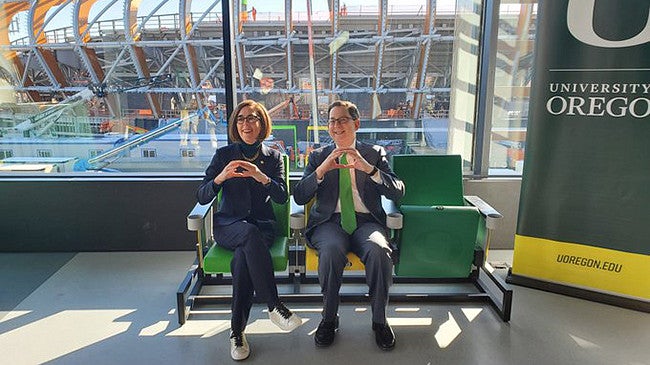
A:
[(217, 259), (442, 231)]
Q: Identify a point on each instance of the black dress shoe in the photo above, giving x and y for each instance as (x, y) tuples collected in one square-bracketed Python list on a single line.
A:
[(325, 333), (384, 336)]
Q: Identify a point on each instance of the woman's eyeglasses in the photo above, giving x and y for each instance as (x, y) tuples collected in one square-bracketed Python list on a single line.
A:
[(249, 119)]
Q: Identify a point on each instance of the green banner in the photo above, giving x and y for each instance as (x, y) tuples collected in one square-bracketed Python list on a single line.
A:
[(586, 181)]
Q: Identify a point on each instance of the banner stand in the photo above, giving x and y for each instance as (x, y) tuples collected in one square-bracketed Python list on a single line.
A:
[(637, 305), (582, 221)]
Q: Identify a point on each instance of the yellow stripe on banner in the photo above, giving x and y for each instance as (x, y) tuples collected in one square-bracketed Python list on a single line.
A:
[(583, 266)]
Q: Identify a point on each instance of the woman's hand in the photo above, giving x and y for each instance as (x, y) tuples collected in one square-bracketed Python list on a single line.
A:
[(240, 168)]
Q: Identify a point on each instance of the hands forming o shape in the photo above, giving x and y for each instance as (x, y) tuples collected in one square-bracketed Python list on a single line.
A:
[(238, 169), (354, 160)]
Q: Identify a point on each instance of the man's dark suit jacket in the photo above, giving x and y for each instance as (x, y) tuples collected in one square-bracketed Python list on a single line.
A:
[(327, 192), (244, 197)]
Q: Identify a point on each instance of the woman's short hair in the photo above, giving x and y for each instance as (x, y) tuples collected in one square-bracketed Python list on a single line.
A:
[(352, 109), (260, 111)]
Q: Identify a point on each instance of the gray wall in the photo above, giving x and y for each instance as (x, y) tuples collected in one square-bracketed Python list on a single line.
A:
[(502, 195), (147, 214), (77, 214)]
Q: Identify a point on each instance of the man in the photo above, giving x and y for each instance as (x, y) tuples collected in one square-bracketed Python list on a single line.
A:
[(347, 179)]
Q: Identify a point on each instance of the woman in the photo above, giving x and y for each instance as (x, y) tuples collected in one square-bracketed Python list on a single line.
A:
[(249, 175)]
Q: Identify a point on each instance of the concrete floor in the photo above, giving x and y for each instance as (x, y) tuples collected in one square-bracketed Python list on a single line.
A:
[(119, 308)]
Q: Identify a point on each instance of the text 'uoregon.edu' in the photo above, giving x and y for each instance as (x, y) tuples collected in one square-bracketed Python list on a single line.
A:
[(587, 262)]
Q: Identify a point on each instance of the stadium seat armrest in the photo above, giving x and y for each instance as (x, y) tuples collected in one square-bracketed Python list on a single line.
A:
[(196, 218), (297, 217), (394, 218), (491, 215)]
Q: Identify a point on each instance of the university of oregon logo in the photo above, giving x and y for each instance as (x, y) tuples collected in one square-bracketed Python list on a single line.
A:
[(580, 15), (594, 95)]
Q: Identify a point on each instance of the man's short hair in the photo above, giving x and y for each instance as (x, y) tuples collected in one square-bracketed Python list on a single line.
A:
[(352, 109)]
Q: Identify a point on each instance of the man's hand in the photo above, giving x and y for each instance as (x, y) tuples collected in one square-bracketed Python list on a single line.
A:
[(353, 158), (357, 161)]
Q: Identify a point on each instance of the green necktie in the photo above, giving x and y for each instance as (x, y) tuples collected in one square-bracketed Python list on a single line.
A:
[(348, 215)]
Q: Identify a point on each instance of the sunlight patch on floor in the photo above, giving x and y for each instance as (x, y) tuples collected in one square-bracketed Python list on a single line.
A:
[(407, 309), (13, 315), (76, 329), (584, 343), (409, 321), (447, 332), (201, 328), (211, 311), (471, 313), (154, 329)]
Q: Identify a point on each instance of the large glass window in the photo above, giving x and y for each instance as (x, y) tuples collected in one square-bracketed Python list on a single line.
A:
[(394, 59), (462, 99), (94, 81), (512, 75)]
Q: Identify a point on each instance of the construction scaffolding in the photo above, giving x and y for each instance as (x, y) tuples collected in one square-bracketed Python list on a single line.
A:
[(408, 56)]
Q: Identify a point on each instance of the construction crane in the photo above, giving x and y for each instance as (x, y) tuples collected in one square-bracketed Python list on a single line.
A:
[(289, 102)]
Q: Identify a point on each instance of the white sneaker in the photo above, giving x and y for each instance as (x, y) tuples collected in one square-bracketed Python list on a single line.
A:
[(239, 349), (282, 317)]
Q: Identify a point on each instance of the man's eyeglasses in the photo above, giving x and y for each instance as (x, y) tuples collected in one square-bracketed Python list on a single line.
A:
[(340, 121), (249, 119)]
